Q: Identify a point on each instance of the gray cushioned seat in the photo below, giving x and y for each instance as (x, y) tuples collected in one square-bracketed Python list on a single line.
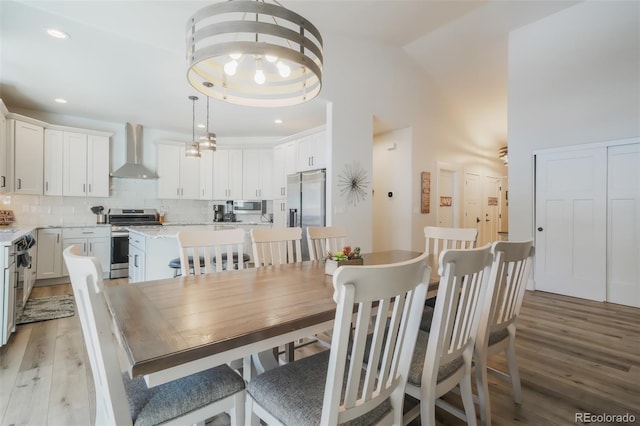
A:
[(245, 258), (498, 336), (417, 363), (175, 263), (427, 317), (151, 406), (294, 392)]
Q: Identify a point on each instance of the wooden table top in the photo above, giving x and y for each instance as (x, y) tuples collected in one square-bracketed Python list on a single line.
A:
[(166, 323)]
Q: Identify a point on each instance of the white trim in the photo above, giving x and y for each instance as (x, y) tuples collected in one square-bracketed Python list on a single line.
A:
[(25, 119), (601, 144), (78, 130)]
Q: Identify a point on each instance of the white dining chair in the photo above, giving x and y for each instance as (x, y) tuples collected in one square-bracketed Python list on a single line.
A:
[(362, 377), (214, 248), (276, 246), (512, 263), (272, 247), (323, 240), (124, 401), (442, 358), (438, 238)]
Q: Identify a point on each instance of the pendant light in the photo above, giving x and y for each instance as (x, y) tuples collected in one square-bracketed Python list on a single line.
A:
[(209, 141), (192, 150), (254, 53)]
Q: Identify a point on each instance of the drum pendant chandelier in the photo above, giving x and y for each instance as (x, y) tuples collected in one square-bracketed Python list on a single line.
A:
[(254, 54)]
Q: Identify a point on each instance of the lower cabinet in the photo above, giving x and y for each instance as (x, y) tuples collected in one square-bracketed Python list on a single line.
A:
[(49, 246), (149, 257), (94, 241)]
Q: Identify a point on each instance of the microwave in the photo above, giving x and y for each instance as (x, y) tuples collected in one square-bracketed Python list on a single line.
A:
[(250, 207)]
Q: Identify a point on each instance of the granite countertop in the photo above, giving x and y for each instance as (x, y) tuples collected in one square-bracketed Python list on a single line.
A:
[(169, 230), (10, 233)]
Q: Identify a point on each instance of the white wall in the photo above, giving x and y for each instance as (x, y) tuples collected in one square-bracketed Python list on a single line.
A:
[(363, 80), (392, 215), (574, 78)]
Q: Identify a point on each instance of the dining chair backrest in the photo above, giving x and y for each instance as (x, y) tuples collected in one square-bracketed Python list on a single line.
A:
[(217, 248), (511, 268), (323, 240), (85, 274), (440, 238), (276, 246), (186, 400), (464, 276), (377, 364)]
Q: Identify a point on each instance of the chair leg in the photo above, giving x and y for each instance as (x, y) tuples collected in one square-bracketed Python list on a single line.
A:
[(238, 411), (483, 390), (467, 399), (513, 371), (428, 407)]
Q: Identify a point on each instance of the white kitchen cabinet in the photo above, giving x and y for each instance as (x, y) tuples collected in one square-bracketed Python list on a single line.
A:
[(53, 162), (137, 259), (312, 152), (149, 257), (280, 213), (4, 155), (257, 176), (284, 164), (49, 257), (93, 241), (27, 141), (86, 165), (227, 174), (8, 279), (178, 176), (206, 175)]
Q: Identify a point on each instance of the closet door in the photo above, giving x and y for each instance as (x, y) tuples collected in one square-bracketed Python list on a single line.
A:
[(571, 224), (623, 267)]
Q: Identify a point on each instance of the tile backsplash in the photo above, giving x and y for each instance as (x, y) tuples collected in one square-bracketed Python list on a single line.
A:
[(42, 211)]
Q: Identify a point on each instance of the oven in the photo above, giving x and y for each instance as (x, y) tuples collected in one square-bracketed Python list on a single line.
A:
[(121, 220)]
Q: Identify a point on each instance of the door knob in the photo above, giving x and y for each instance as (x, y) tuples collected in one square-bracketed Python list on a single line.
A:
[(540, 228)]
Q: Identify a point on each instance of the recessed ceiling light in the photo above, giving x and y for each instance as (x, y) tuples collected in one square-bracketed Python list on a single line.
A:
[(277, 121), (60, 100), (201, 126), (57, 33)]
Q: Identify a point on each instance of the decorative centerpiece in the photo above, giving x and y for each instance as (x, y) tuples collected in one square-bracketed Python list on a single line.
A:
[(340, 258)]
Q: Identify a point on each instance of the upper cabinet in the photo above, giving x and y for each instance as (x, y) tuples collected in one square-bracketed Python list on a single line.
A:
[(86, 165), (27, 141), (284, 164), (178, 176), (53, 162), (227, 174), (257, 177), (312, 152), (206, 175)]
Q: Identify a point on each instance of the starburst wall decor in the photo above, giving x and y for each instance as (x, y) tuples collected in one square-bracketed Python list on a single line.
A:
[(353, 183)]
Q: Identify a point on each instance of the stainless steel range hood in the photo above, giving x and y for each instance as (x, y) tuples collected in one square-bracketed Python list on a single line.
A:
[(133, 167)]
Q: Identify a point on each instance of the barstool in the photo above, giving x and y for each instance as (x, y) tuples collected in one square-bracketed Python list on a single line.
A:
[(245, 260), (176, 265)]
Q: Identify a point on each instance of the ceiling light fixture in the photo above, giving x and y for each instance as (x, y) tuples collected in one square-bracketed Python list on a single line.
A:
[(226, 45), (57, 33), (209, 142), (60, 100), (192, 149), (277, 121), (503, 154)]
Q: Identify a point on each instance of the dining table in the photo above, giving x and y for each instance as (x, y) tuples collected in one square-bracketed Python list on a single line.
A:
[(174, 327)]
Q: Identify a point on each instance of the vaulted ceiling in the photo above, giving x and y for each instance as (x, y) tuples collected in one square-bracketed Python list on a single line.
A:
[(125, 60)]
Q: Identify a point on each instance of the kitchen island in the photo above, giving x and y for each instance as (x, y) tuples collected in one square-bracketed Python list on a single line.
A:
[(151, 248)]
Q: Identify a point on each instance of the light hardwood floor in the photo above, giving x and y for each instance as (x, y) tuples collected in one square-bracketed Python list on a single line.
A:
[(575, 356)]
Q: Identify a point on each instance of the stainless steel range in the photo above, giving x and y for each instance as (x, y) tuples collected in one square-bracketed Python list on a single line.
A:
[(120, 220)]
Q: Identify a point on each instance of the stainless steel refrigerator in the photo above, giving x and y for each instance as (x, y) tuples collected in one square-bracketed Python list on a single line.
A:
[(306, 195)]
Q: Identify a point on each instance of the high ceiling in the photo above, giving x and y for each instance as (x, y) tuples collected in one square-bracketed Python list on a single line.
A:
[(125, 60)]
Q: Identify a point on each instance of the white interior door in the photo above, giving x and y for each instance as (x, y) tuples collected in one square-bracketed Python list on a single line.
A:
[(472, 201), (623, 256), (491, 211), (571, 223)]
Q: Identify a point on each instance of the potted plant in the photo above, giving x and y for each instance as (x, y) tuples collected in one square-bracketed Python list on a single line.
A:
[(345, 257)]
